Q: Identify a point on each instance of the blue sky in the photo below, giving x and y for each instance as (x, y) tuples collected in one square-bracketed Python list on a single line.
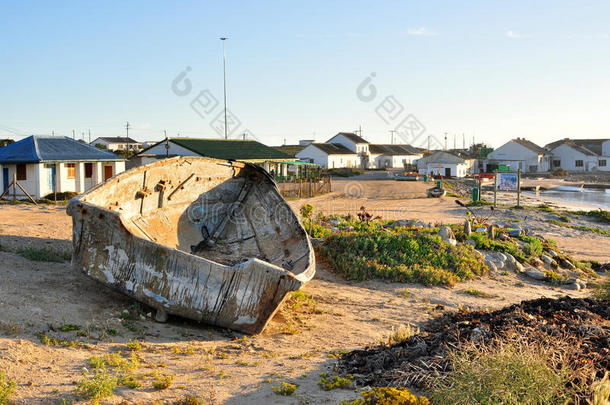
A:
[(489, 69)]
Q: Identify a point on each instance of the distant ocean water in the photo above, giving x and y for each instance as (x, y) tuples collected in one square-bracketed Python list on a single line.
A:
[(597, 197)]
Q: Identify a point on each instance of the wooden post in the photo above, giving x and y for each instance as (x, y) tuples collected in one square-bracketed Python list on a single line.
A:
[(15, 184), (518, 187), (495, 187)]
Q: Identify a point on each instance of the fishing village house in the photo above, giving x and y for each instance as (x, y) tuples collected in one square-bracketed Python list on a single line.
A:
[(580, 155), (519, 154), (116, 143), (348, 150), (243, 150), (444, 164), (46, 164)]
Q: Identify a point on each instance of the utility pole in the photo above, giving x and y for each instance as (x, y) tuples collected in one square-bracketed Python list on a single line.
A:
[(52, 133), (392, 136), (359, 131), (445, 140), (463, 141), (454, 142), (224, 79), (428, 143), (89, 136), (73, 135), (127, 132)]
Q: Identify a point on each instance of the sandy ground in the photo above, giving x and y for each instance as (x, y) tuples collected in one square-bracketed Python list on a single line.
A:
[(222, 367)]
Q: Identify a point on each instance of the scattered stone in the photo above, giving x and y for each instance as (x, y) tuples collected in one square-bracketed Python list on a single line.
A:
[(503, 237), (565, 263), (573, 286), (513, 233), (534, 273), (467, 227), (582, 285), (334, 222), (490, 265), (547, 259), (161, 316), (481, 229), (401, 223), (513, 264), (447, 235), (552, 253), (471, 243), (536, 262)]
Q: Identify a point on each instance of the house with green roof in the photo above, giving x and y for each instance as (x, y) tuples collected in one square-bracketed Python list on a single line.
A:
[(243, 150)]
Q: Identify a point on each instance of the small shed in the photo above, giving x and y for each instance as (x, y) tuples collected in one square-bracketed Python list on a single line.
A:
[(47, 164)]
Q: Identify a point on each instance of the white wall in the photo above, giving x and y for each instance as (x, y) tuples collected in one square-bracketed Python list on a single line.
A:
[(568, 157), (319, 157), (349, 144), (38, 177), (606, 148), (457, 169), (517, 157)]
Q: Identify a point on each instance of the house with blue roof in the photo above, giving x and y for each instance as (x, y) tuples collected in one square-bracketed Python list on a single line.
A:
[(46, 164)]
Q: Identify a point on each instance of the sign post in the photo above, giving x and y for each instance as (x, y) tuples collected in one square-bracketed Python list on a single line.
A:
[(519, 188), (495, 187)]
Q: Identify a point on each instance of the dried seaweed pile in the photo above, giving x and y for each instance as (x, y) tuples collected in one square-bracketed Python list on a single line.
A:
[(578, 326)]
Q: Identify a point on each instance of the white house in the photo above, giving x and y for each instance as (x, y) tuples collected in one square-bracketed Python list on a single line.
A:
[(245, 150), (518, 154), (443, 164), (369, 156), (115, 143), (580, 155), (44, 164), (393, 155), (354, 143), (572, 157), (329, 155)]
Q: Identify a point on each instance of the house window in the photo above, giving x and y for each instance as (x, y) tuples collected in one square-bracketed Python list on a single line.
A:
[(22, 172), (88, 170), (602, 162), (71, 167), (579, 163), (556, 163)]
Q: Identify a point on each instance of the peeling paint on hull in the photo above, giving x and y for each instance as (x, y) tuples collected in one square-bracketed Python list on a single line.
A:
[(205, 239)]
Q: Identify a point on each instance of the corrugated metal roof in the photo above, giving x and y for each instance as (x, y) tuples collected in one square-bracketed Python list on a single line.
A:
[(393, 149), (442, 157), (117, 139), (50, 148), (333, 149), (230, 149), (351, 136), (529, 144)]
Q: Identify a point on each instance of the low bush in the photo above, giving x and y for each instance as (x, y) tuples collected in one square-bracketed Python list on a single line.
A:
[(162, 381), (602, 290), (327, 383), (285, 389), (483, 242), (504, 374), (101, 386), (388, 396), (7, 388), (600, 215), (403, 254)]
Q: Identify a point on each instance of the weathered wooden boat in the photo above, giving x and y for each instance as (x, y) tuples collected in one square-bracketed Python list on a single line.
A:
[(204, 239), (436, 192)]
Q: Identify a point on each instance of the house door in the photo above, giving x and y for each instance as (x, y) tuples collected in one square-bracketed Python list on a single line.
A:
[(50, 177), (5, 178), (447, 172), (107, 172)]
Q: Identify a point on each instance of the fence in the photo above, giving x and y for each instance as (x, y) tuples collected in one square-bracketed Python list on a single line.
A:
[(303, 188)]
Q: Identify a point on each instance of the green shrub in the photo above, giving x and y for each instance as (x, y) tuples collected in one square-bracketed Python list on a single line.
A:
[(44, 254), (402, 254), (505, 374), (327, 383), (316, 230), (534, 246), (162, 382), (284, 389), (600, 215), (99, 387), (7, 388), (387, 396)]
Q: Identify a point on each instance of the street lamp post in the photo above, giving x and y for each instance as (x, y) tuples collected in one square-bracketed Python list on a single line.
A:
[(224, 78)]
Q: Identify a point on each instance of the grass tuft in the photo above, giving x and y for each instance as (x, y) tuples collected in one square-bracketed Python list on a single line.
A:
[(505, 374), (602, 290), (285, 389), (101, 386), (44, 254)]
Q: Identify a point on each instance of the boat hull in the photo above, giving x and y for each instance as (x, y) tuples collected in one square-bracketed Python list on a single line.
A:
[(133, 252)]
